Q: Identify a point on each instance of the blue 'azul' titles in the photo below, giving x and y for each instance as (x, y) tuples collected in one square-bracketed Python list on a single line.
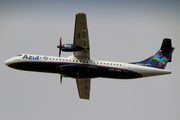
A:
[(31, 57)]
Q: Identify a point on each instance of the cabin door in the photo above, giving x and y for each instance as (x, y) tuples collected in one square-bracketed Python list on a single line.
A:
[(126, 67)]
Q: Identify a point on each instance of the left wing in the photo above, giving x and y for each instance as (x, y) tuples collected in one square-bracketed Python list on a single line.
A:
[(81, 38), (83, 86)]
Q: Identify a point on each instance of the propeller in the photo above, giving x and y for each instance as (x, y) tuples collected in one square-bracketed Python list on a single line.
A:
[(60, 79), (60, 46)]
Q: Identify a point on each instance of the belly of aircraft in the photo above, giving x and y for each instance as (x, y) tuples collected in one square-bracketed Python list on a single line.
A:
[(76, 70)]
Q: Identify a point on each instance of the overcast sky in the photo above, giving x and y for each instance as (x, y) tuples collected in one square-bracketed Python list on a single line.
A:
[(124, 31)]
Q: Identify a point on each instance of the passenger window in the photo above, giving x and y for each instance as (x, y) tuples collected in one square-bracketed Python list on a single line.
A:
[(76, 60), (110, 63), (86, 61), (66, 59), (50, 58), (107, 63), (73, 60)]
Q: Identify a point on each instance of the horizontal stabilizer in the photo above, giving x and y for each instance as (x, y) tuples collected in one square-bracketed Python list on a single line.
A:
[(166, 46)]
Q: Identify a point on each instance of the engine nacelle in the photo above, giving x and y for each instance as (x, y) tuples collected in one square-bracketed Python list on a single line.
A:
[(70, 48)]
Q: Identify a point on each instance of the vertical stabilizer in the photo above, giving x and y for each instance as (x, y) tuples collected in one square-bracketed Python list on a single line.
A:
[(161, 58)]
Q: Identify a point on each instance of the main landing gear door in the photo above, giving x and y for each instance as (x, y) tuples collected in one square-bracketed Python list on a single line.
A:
[(126, 67)]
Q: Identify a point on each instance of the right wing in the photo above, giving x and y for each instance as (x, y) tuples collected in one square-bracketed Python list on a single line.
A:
[(81, 38), (83, 86)]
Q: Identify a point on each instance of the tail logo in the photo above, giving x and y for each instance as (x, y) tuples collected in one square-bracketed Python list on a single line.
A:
[(161, 59)]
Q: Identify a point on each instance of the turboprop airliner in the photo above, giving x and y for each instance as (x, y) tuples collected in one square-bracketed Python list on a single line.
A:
[(83, 68)]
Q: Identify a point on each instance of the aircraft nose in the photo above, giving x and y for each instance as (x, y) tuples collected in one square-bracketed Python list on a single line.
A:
[(7, 62)]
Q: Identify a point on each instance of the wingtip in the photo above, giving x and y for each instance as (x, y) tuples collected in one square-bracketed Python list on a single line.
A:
[(80, 13)]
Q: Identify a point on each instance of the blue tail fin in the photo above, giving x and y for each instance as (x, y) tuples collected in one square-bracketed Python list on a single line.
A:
[(161, 58)]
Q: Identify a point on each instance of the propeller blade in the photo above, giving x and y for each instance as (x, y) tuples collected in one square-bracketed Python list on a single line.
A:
[(59, 53), (60, 79), (60, 40), (60, 46)]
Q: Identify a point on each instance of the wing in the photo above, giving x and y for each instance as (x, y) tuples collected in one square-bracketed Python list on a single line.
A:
[(83, 86), (81, 38)]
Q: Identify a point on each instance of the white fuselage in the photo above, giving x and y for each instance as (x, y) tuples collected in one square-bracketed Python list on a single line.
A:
[(81, 67)]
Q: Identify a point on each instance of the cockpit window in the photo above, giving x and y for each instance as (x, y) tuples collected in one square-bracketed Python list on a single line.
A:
[(19, 55)]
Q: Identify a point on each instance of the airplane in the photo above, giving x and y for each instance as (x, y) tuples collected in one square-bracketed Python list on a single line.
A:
[(83, 68)]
